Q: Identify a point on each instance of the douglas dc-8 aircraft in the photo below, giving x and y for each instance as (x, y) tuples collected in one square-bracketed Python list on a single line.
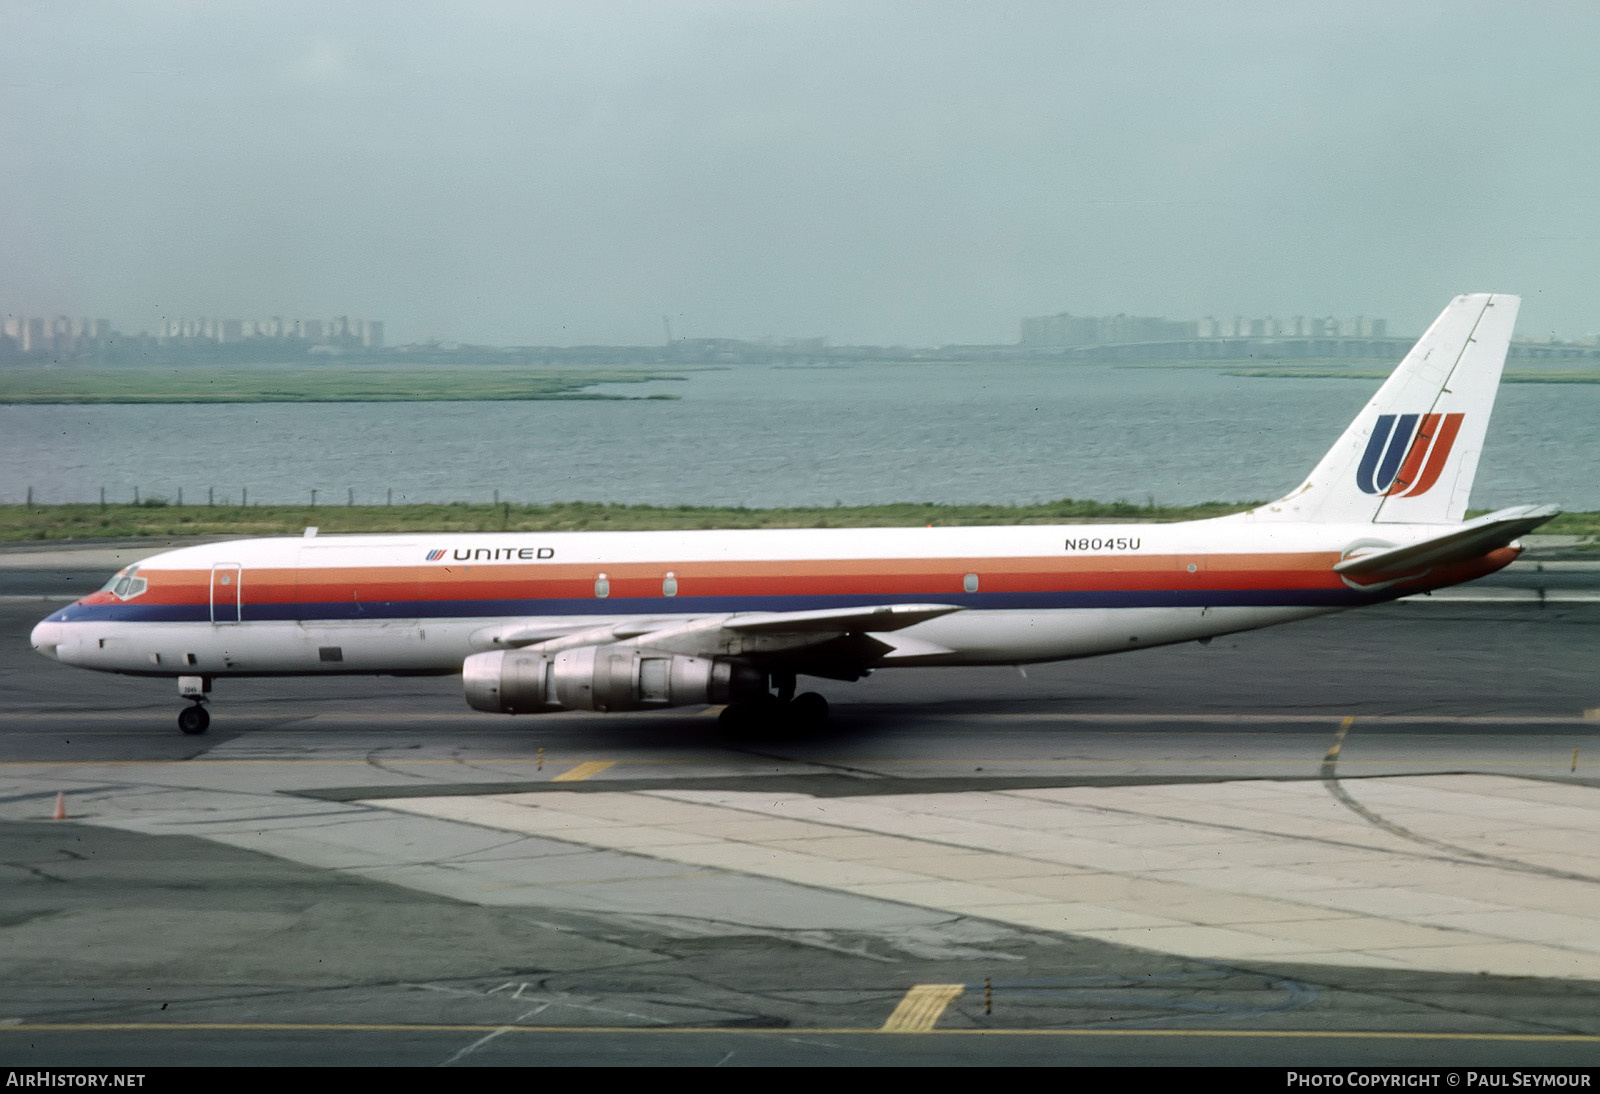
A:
[(616, 621)]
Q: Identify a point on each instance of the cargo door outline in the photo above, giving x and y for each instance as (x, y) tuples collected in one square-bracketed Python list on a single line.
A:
[(227, 592)]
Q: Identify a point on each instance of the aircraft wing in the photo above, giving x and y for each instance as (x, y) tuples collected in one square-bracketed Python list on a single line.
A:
[(836, 642), (524, 633), (878, 617), (1465, 541)]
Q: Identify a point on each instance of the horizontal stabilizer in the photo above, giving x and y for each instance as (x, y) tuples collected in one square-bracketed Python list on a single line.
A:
[(1470, 540), (881, 617)]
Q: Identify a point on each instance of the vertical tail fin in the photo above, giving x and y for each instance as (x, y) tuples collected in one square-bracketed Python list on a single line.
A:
[(1411, 454)]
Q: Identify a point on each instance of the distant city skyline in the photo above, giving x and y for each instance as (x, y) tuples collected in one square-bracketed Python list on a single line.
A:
[(28, 336)]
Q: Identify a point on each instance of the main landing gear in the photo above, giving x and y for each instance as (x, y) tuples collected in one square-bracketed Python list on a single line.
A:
[(194, 719), (784, 712)]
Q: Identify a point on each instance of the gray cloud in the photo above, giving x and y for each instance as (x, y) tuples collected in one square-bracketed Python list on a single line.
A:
[(882, 173)]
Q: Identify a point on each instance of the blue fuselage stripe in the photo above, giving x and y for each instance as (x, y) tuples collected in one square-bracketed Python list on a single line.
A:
[(350, 611)]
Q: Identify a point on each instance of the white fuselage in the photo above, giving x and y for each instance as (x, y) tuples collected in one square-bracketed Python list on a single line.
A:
[(414, 604)]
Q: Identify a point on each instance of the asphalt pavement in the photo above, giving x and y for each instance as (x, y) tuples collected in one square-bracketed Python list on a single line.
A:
[(363, 870)]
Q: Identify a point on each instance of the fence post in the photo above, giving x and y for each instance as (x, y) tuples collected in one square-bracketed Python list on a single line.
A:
[(211, 495), (313, 499), (244, 497)]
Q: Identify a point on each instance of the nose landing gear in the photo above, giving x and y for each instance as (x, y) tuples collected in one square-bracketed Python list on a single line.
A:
[(194, 719)]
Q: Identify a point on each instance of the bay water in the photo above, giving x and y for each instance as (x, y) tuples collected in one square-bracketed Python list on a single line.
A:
[(767, 436)]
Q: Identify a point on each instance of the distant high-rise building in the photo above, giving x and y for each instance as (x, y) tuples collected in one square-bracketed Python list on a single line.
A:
[(1060, 330), (1066, 330)]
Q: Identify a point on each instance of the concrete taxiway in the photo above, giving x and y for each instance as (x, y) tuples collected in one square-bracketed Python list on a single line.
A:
[(1365, 838)]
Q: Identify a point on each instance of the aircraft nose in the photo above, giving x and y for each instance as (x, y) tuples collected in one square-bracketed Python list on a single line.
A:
[(46, 637)]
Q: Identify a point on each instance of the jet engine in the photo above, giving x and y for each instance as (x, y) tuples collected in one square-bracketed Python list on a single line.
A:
[(603, 678)]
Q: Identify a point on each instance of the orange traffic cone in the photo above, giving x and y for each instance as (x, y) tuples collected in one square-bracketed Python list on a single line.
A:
[(61, 806)]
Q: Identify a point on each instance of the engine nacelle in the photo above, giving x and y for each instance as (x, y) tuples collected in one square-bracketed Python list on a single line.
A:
[(602, 678)]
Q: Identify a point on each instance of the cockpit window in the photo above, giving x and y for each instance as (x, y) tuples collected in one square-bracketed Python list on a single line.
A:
[(125, 585)]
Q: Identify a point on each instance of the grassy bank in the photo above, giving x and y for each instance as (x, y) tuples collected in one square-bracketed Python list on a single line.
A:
[(61, 522), (21, 523), (346, 383), (1510, 376), (329, 384)]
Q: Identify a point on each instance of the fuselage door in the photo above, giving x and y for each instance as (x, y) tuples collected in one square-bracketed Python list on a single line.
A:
[(227, 580)]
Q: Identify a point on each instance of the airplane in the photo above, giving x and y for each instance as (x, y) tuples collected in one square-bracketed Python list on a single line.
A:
[(621, 621)]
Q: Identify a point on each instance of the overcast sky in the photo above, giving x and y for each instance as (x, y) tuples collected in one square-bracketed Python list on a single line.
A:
[(873, 172)]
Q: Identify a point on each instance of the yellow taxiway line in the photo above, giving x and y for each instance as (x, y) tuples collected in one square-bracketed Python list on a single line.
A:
[(921, 1008), (587, 770)]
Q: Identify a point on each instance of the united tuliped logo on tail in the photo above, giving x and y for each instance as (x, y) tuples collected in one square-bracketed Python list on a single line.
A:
[(1406, 453)]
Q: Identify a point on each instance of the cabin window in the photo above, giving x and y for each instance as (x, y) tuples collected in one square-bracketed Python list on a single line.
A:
[(970, 583), (602, 587), (669, 584)]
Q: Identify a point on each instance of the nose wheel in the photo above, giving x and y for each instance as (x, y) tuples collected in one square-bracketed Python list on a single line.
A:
[(193, 720)]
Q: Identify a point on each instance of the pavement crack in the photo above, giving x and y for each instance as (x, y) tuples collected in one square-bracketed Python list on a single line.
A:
[(374, 759), (35, 871), (1332, 783)]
